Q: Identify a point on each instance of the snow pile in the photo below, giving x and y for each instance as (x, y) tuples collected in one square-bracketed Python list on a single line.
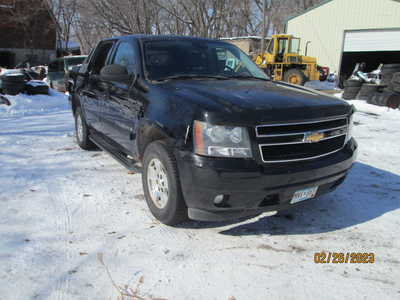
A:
[(46, 80), (3, 71), (36, 83), (22, 104), (364, 107), (377, 130)]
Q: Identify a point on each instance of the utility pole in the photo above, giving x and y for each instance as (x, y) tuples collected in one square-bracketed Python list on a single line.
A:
[(263, 33)]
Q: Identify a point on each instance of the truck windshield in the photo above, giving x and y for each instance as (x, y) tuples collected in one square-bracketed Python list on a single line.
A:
[(294, 45), (170, 59)]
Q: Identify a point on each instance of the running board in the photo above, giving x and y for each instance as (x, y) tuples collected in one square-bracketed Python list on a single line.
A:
[(121, 157)]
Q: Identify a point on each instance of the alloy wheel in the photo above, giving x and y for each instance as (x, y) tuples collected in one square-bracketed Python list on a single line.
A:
[(157, 182)]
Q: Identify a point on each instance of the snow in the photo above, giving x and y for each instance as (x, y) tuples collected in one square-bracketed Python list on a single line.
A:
[(64, 210), (4, 71), (36, 83), (321, 85), (47, 81), (23, 105)]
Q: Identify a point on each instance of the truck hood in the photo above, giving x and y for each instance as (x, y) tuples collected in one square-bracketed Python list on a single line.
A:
[(255, 101)]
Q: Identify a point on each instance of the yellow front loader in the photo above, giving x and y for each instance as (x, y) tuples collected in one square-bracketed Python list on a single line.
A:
[(282, 61)]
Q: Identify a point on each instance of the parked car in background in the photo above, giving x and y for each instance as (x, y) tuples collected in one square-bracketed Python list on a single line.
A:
[(58, 71), (4, 100), (213, 141), (332, 77), (41, 71), (13, 81)]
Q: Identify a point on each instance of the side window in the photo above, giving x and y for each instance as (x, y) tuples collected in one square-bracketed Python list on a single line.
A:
[(283, 45), (125, 56), (100, 57), (271, 47), (294, 46)]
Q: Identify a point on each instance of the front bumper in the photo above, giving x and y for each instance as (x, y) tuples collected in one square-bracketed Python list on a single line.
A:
[(249, 188)]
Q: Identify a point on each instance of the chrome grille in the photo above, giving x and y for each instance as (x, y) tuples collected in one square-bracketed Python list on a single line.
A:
[(302, 140)]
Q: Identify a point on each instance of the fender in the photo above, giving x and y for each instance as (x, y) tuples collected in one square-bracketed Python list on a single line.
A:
[(163, 117), (149, 131)]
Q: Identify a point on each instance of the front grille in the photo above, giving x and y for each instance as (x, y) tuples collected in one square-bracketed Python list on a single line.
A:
[(301, 141)]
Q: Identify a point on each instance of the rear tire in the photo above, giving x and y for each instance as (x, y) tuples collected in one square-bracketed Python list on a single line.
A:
[(386, 98), (388, 71), (367, 91), (352, 83), (295, 76), (395, 83), (350, 93), (161, 184), (82, 131)]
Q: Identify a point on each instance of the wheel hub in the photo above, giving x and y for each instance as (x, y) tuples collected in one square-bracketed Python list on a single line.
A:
[(294, 79), (157, 183)]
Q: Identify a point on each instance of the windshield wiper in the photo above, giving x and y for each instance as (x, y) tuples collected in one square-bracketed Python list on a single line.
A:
[(248, 77), (191, 76)]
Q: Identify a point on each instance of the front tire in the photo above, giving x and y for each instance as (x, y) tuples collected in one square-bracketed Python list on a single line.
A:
[(161, 184), (82, 131), (295, 76)]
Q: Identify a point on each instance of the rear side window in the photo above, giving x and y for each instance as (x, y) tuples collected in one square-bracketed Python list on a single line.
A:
[(125, 56), (100, 57)]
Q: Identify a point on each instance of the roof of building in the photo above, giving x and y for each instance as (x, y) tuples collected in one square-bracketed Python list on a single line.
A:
[(312, 8), (307, 10), (244, 37)]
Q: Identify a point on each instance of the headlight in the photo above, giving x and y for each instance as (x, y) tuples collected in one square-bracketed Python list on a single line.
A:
[(221, 141), (350, 128)]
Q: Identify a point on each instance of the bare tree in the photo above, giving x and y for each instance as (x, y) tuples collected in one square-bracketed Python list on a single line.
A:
[(95, 19), (64, 13)]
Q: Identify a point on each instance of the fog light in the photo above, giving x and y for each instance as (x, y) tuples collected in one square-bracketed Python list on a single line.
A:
[(221, 201)]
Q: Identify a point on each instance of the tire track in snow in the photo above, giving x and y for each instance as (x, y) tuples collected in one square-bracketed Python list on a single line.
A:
[(63, 228)]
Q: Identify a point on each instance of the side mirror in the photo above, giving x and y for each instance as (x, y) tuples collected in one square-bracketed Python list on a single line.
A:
[(141, 84), (116, 73)]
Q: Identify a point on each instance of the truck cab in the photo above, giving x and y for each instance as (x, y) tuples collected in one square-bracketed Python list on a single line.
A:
[(59, 69)]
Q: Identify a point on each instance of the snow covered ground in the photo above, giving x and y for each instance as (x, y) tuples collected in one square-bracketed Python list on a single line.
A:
[(63, 211), (321, 85)]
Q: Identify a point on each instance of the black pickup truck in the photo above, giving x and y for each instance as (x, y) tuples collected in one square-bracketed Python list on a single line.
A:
[(214, 138)]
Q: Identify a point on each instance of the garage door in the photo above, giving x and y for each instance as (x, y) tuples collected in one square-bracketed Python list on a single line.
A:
[(372, 40)]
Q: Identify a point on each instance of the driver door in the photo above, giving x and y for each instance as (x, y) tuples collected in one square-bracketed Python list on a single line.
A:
[(94, 91), (121, 108)]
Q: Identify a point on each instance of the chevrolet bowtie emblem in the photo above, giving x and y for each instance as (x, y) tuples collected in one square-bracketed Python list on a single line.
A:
[(313, 137)]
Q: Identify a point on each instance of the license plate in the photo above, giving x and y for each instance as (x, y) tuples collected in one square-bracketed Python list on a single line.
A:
[(305, 194)]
